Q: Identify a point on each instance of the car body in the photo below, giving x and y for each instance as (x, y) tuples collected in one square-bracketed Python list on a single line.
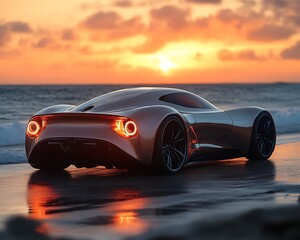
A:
[(158, 128)]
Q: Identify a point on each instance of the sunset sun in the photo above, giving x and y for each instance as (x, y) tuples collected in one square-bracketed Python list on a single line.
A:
[(166, 65)]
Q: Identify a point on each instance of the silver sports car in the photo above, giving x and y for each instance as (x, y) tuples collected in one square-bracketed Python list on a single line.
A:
[(162, 129)]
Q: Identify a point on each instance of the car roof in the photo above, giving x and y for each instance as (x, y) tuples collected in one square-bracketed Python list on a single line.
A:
[(126, 98), (144, 90)]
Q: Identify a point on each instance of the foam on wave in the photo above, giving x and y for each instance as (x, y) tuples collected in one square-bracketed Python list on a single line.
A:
[(287, 120), (12, 133)]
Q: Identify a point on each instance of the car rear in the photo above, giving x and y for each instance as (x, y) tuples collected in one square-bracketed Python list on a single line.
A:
[(82, 139)]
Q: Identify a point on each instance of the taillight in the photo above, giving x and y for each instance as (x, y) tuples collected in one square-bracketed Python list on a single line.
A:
[(125, 128), (34, 127)]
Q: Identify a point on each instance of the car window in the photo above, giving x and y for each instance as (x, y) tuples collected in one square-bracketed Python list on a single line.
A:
[(187, 100)]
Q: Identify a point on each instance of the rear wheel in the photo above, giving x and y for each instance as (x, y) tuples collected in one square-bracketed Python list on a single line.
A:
[(170, 151), (263, 137)]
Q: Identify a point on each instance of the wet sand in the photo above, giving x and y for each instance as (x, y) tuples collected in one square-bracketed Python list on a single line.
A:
[(111, 204)]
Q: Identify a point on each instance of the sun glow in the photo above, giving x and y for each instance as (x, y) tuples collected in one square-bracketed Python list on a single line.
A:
[(166, 65)]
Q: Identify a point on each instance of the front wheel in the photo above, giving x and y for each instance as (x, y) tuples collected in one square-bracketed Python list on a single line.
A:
[(263, 137), (170, 151)]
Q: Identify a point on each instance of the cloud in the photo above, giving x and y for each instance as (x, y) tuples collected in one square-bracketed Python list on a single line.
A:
[(271, 33), (248, 3), (52, 43), (4, 35), (103, 20), (68, 34), (151, 45), (19, 27), (226, 55), (243, 55), (123, 3), (286, 11), (173, 16), (206, 1), (277, 3), (171, 23), (167, 23), (110, 25), (238, 19), (177, 24), (292, 53), (43, 42), (7, 30), (249, 55), (295, 19)]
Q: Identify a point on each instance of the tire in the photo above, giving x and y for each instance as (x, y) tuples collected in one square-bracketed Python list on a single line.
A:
[(170, 150), (263, 137)]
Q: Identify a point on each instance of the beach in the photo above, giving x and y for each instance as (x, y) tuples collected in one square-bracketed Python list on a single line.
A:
[(100, 87), (98, 203), (111, 204)]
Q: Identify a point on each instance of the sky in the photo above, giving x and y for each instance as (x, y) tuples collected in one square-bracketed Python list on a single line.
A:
[(149, 41)]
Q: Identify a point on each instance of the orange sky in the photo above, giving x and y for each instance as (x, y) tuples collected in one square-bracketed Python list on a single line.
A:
[(149, 41)]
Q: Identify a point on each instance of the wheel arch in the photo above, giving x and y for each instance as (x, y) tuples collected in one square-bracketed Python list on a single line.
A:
[(254, 129), (148, 120), (156, 164), (243, 121)]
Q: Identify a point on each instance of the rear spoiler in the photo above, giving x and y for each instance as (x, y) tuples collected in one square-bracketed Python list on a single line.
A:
[(77, 116)]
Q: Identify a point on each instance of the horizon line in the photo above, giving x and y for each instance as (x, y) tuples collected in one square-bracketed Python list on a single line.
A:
[(147, 84)]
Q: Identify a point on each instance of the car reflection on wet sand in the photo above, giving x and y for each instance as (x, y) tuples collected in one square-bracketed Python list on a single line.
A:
[(129, 203)]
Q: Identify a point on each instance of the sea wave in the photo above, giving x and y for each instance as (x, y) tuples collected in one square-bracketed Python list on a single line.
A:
[(12, 133), (287, 121), (12, 154)]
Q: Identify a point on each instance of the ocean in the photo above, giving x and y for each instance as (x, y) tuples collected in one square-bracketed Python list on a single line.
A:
[(18, 103)]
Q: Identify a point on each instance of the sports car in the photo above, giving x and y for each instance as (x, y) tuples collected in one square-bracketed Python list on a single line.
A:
[(162, 129)]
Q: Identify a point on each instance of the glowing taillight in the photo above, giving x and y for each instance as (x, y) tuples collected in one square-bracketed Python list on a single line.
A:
[(34, 128), (125, 128), (130, 128)]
